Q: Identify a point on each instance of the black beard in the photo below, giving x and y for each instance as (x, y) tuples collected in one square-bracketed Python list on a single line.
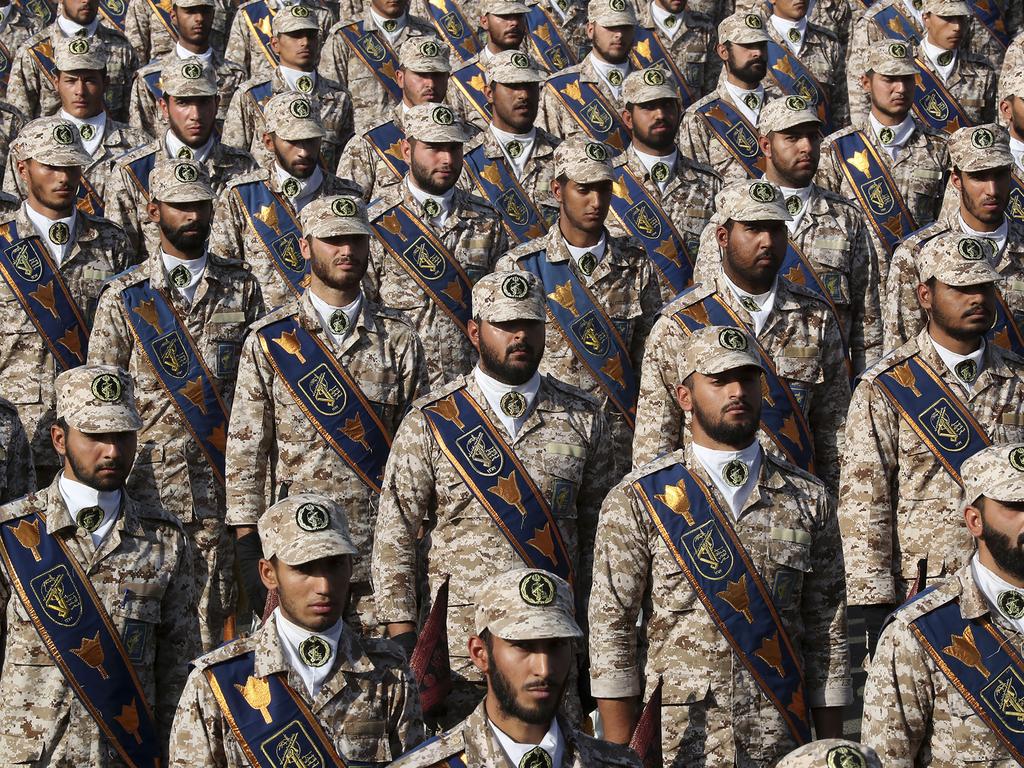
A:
[(542, 714), (187, 242), (741, 434), (87, 477), (510, 374), (424, 180), (1008, 557)]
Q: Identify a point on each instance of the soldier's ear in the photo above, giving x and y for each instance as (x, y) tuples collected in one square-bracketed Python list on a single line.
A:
[(590, 31), (22, 170), (684, 397), (722, 236), (153, 211), (307, 252), (58, 437), (267, 574), (489, 93), (406, 151), (865, 82), (924, 296), (627, 120), (973, 518), (765, 144), (275, 45), (556, 190), (268, 142), (956, 180), (478, 653)]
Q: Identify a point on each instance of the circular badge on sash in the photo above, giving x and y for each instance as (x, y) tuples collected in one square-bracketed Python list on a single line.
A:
[(513, 404), (314, 651), (537, 589), (106, 388), (312, 518), (735, 473), (89, 518)]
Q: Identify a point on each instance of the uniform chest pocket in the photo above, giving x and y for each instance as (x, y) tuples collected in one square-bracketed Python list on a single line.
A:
[(789, 551), (366, 741), (473, 249), (138, 616), (801, 370), (833, 268), (564, 463), (292, 425)]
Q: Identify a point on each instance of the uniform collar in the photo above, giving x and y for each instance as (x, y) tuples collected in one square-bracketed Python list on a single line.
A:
[(298, 81), (173, 145), (669, 24), (785, 28), (96, 130), (734, 473), (307, 187), (72, 28), (300, 645), (77, 496), (444, 202), (901, 134), (379, 21), (183, 53), (604, 68), (933, 54), (993, 589), (956, 363), (553, 743), (738, 96), (46, 227), (758, 306), (195, 268), (520, 397), (997, 237), (325, 311)]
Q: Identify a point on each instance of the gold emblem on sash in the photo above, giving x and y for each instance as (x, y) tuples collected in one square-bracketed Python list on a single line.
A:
[(597, 116), (643, 217), (91, 652), (58, 596), (507, 490), (708, 551), (675, 498), (544, 542), (448, 409), (771, 654), (425, 258), (563, 296), (372, 47), (587, 329), (256, 693), (479, 449), (742, 138), (129, 720), (147, 311), (291, 747), (322, 387), (289, 342), (27, 535), (512, 203), (44, 295), (572, 90), (1004, 696), (738, 598), (268, 215), (355, 431), (193, 392), (877, 193), (935, 106), (613, 370), (945, 425), (904, 376), (171, 354)]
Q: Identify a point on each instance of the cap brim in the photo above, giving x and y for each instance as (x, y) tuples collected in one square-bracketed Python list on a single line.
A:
[(62, 158), (803, 118), (508, 9), (652, 94), (193, 93), (591, 174), (976, 274), (300, 133), (335, 229), (757, 213), (101, 420), (749, 37), (616, 20), (1011, 491), (728, 361), (520, 76), (303, 27), (543, 624), (895, 69), (186, 193), (509, 315), (316, 546), (449, 135), (986, 161)]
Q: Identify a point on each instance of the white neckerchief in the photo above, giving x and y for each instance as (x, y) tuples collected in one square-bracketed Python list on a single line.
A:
[(325, 310), (195, 268), (1017, 150), (992, 585), (803, 194), (291, 78), (649, 161), (379, 20), (526, 139), (578, 253), (184, 53), (200, 155), (553, 743), (291, 637), (766, 301), (659, 16), (494, 390), (308, 187), (738, 93), (421, 197), (98, 123), (72, 28), (901, 134), (77, 496), (997, 237), (951, 359), (932, 53), (913, 12), (43, 224), (784, 26), (602, 68), (486, 54), (714, 463)]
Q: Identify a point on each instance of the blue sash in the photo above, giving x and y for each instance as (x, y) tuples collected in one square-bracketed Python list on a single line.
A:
[(874, 188), (427, 261), (43, 53), (499, 481), (5, 66), (454, 28), (590, 109), (272, 724), (386, 141), (171, 353), (1004, 332), (702, 540), (42, 10), (934, 105), (376, 55), (139, 171), (498, 184), (1015, 205), (31, 275), (645, 219), (77, 631), (470, 81), (796, 79), (782, 419), (154, 83), (260, 19), (991, 17), (592, 335), (736, 134), (162, 10), (275, 224), (115, 12), (329, 397), (546, 42), (86, 199), (930, 408), (896, 25), (261, 94), (648, 51)]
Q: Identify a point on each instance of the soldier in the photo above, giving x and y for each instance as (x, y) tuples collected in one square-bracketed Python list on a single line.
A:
[(71, 251), (914, 418), (17, 472), (807, 387), (16, 26), (602, 292), (249, 41), (557, 36), (193, 25), (296, 43), (550, 439), (1011, 110), (156, 28), (831, 753), (687, 38), (1013, 64), (941, 688), (754, 536), (981, 176), (287, 436), (523, 642), (32, 88), (463, 237), (189, 105), (95, 655), (324, 691)]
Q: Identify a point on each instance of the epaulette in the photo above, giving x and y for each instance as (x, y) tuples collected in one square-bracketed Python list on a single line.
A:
[(281, 313), (436, 394), (230, 650), (687, 298), (573, 391)]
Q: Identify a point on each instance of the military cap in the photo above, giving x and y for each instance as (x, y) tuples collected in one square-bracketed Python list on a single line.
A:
[(304, 527), (980, 148), (832, 753), (434, 123), (946, 7), (742, 28), (503, 7), (96, 399), (611, 13), (194, 3), (293, 117), (185, 78), (425, 54), (1012, 83), (996, 472), (295, 18), (748, 200), (526, 604), (646, 85), (334, 216), (716, 349), (892, 58), (583, 160), (54, 141), (503, 296), (956, 259), (180, 181), (785, 113), (71, 53), (511, 67)]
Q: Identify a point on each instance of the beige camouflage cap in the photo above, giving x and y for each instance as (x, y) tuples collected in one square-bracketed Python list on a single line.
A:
[(425, 54), (996, 472), (785, 113), (716, 349), (503, 296), (583, 160), (647, 85), (503, 7), (511, 67), (334, 216), (96, 399), (71, 53), (892, 58), (304, 527), (832, 753), (946, 7), (743, 28), (526, 604), (293, 117), (295, 18), (611, 13), (54, 141), (194, 3), (1012, 83), (956, 259), (187, 78), (435, 123), (180, 181), (748, 200), (980, 148)]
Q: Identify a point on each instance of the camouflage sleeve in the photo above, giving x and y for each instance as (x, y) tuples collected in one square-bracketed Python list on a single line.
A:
[(829, 175), (855, 65), (694, 138), (650, 305), (866, 318), (136, 28), (12, 183), (406, 729), (596, 481), (111, 341), (659, 419), (237, 49), (412, 375), (122, 206), (334, 58), (549, 116), (229, 225), (902, 318), (23, 84), (21, 473), (831, 397), (358, 164), (143, 114), (197, 738), (237, 131)]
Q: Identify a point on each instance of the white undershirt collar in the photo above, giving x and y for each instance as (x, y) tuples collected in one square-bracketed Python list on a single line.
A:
[(72, 28), (400, 24), (933, 54), (292, 637), (495, 391), (661, 17), (992, 586), (292, 78), (997, 237), (962, 366), (175, 146), (48, 228), (757, 305), (1017, 150), (78, 496), (307, 187), (603, 68), (786, 28), (443, 201), (325, 311), (740, 97), (195, 268), (553, 743), (183, 53), (526, 142), (598, 250), (734, 473), (97, 126), (649, 161), (900, 133)]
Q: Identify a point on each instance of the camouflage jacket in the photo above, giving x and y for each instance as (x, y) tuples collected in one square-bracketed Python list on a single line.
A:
[(153, 39), (692, 48), (554, 116), (245, 49)]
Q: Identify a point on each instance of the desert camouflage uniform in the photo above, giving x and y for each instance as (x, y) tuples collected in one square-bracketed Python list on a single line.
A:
[(18, 27), (713, 713), (245, 50), (825, 58), (836, 16), (363, 165), (692, 49), (17, 473), (555, 118), (152, 40), (573, 27), (1012, 64), (142, 573), (11, 123)]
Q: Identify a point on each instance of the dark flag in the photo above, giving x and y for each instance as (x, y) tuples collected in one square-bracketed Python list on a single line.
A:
[(646, 741), (430, 662)]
